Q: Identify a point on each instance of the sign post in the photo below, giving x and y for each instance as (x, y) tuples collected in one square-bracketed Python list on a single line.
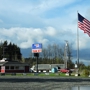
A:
[(36, 49), (36, 55)]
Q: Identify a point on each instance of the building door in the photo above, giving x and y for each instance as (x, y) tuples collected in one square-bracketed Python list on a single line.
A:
[(26, 68)]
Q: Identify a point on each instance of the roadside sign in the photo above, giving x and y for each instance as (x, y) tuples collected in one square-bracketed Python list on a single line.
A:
[(2, 69), (36, 48)]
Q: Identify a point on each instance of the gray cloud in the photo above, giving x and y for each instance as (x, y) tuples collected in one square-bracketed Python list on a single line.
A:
[(25, 37)]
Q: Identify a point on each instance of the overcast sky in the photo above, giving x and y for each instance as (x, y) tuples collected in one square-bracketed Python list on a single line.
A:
[(25, 22)]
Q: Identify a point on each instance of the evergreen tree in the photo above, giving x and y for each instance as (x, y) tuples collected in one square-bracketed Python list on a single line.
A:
[(10, 51)]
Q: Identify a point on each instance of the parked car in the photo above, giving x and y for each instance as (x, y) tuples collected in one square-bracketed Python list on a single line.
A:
[(65, 70)]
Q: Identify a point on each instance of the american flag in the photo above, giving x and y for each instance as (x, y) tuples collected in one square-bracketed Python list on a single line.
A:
[(84, 24)]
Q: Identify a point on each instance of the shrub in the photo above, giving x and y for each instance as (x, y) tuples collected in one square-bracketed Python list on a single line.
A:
[(85, 72)]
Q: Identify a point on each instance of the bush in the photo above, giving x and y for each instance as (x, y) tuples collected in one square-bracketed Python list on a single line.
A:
[(85, 72)]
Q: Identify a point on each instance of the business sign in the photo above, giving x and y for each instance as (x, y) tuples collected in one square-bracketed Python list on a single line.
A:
[(2, 69), (36, 48)]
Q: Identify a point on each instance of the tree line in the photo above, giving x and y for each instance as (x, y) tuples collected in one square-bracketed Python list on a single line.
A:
[(10, 51), (52, 54)]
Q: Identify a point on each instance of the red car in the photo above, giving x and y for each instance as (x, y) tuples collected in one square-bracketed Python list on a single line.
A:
[(65, 70)]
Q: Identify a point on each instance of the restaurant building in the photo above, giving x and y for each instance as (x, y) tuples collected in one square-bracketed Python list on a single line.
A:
[(13, 67)]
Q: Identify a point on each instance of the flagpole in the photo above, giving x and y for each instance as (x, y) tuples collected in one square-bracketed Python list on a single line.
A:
[(77, 44)]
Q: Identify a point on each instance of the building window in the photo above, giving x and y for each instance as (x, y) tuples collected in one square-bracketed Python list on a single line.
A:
[(17, 67), (7, 67), (12, 67)]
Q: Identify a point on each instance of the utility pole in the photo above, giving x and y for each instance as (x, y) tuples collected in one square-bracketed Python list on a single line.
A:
[(4, 47), (4, 51), (65, 53)]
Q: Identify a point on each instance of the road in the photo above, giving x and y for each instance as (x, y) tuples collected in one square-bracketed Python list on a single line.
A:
[(40, 83)]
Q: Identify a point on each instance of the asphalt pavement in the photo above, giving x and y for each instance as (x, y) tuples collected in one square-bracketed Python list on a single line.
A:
[(41, 83)]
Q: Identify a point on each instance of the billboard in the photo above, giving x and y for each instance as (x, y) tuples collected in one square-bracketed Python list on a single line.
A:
[(36, 48)]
